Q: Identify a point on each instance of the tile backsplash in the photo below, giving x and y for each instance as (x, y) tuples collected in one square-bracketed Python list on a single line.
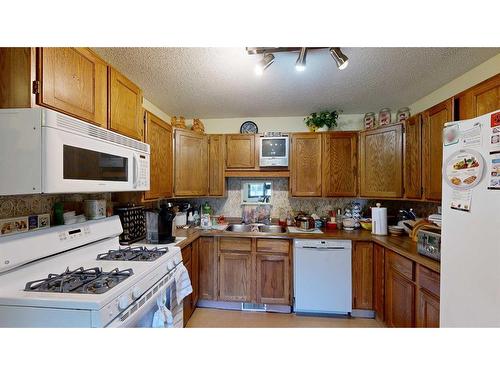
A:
[(35, 204), (230, 206)]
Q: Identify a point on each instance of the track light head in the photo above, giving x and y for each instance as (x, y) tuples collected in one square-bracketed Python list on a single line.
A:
[(263, 64), (341, 59), (300, 64)]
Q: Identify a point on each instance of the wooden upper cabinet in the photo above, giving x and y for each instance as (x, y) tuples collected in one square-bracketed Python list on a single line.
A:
[(479, 100), (158, 134), (381, 162), (433, 124), (413, 157), (306, 168), (74, 81), (216, 160), (125, 105), (362, 276), (340, 156), (191, 163), (17, 72), (240, 151)]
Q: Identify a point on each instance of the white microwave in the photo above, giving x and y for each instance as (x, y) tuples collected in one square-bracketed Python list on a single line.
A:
[(274, 151), (44, 151)]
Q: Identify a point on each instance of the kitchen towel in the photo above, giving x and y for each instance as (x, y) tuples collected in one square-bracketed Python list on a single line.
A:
[(182, 283), (163, 317)]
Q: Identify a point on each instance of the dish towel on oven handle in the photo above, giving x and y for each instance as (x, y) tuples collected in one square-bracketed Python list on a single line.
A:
[(182, 283), (163, 317)]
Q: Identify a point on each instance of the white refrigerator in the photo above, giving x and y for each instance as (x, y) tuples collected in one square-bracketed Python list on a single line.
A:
[(470, 242)]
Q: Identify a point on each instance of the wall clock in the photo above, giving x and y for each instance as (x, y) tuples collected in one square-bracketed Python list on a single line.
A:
[(249, 127)]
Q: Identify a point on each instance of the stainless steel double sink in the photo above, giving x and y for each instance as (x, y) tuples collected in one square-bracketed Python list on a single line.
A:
[(242, 228)]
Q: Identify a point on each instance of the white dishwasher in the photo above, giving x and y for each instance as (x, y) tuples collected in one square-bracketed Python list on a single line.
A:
[(322, 276)]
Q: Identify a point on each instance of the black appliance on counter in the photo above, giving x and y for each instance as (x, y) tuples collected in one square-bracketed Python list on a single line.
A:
[(133, 222), (160, 225)]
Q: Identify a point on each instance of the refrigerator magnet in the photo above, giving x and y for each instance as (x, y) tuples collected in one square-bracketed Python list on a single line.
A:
[(451, 134), (463, 169), (494, 175)]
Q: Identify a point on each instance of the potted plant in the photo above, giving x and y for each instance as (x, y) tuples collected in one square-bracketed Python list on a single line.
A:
[(321, 120)]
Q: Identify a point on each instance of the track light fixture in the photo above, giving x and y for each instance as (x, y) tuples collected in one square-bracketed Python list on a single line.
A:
[(341, 59), (300, 65), (263, 64)]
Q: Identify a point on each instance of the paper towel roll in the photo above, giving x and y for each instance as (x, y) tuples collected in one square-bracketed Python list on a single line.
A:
[(379, 220)]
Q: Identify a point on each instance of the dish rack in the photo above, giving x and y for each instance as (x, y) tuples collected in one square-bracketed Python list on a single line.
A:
[(133, 221)]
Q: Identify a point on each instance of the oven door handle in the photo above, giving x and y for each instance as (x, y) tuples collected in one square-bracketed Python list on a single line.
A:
[(132, 318)]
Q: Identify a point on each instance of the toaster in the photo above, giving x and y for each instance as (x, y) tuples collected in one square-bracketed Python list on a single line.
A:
[(429, 243)]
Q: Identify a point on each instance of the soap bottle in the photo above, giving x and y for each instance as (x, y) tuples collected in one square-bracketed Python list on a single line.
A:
[(190, 220)]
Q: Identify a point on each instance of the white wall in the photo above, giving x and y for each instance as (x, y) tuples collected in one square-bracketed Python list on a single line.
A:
[(480, 73), (285, 124), (150, 107)]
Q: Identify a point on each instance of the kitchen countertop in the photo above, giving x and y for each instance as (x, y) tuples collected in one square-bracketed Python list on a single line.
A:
[(402, 245)]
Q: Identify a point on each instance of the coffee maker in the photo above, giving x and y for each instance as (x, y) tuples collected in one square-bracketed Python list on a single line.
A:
[(160, 225)]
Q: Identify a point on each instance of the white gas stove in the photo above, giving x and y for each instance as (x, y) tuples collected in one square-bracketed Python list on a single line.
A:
[(79, 276)]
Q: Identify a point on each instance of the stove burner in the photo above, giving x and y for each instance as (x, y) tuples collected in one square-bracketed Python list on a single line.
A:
[(138, 253), (83, 281)]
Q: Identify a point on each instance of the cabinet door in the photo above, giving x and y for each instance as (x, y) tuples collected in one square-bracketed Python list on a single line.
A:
[(74, 81), (216, 160), (378, 281), (191, 163), (235, 276), (125, 105), (413, 157), (17, 73), (362, 276), (240, 149), (340, 156), (273, 279), (305, 173), (434, 120), (399, 300), (195, 272), (381, 164), (159, 137), (427, 310), (480, 99), (207, 267)]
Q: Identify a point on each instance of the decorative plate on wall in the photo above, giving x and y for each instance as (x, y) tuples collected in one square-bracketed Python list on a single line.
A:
[(249, 127)]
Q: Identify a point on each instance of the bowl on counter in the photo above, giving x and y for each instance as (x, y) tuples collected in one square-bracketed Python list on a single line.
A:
[(348, 223), (366, 224)]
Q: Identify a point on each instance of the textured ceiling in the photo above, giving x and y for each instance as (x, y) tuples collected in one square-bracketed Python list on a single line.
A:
[(220, 82)]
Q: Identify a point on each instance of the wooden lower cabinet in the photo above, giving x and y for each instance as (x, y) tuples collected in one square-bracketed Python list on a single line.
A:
[(379, 281), (207, 268), (427, 310), (235, 276), (362, 276), (399, 297), (273, 281), (188, 306)]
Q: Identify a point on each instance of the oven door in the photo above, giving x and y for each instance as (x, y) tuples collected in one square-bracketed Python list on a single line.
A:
[(74, 162), (141, 313)]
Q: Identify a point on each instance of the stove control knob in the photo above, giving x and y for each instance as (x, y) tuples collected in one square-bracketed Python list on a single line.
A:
[(170, 265), (123, 302), (136, 292)]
